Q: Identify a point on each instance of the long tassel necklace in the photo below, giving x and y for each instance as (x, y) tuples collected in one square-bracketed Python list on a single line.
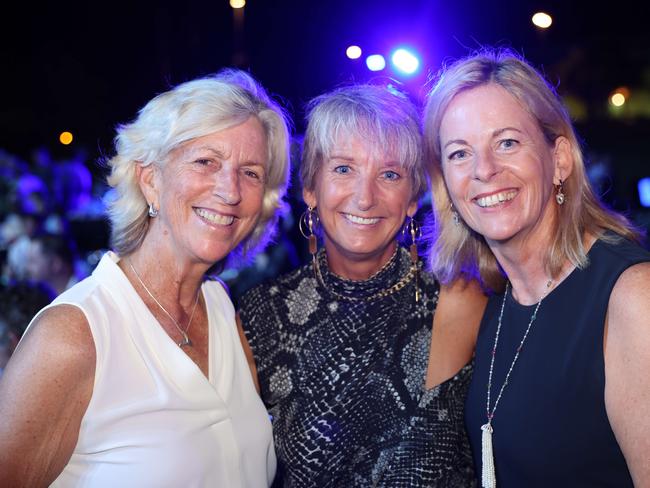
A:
[(186, 340), (488, 477)]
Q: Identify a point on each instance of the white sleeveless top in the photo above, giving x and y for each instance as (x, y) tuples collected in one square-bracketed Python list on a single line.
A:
[(154, 419)]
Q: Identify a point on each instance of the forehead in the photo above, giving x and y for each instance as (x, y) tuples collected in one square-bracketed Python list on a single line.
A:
[(357, 146), (484, 108), (246, 139)]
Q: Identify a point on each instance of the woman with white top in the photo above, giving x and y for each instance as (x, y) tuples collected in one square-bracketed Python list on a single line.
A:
[(136, 376)]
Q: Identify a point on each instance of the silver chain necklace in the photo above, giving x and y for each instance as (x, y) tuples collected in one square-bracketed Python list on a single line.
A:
[(488, 477), (186, 340)]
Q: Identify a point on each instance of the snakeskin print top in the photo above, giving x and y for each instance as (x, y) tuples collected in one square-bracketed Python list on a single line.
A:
[(344, 381)]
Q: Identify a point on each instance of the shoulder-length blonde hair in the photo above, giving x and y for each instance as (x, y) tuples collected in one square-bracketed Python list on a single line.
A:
[(456, 249), (194, 109)]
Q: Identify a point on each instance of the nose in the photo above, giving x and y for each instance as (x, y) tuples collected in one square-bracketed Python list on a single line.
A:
[(485, 166), (365, 194), (226, 185)]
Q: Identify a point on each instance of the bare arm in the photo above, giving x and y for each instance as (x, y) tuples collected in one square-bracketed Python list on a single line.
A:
[(455, 326), (249, 354), (627, 369), (44, 394)]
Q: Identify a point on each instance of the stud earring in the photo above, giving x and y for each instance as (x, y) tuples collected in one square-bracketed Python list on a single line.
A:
[(153, 212)]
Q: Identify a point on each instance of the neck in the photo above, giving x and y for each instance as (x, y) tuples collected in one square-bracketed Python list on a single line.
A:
[(357, 267), (173, 281)]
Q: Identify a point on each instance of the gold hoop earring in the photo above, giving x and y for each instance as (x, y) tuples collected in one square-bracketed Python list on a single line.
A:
[(560, 197), (306, 224), (414, 232)]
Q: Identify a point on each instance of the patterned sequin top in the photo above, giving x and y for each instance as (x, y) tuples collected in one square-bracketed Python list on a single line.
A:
[(344, 381)]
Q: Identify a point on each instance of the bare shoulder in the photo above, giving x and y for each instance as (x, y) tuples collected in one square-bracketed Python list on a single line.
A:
[(627, 362), (455, 326), (464, 296), (61, 331), (44, 393), (629, 303)]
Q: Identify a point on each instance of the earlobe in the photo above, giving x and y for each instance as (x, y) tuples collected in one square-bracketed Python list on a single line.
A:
[(412, 209), (309, 196), (563, 158)]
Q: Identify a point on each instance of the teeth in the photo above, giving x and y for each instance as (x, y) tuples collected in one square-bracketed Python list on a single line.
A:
[(360, 220), (495, 199), (215, 218)]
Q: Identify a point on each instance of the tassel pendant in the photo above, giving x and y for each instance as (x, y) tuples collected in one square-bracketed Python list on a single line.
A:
[(312, 244), (488, 478)]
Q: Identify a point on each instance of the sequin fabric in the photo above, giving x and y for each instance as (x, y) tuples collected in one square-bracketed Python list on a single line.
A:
[(344, 382)]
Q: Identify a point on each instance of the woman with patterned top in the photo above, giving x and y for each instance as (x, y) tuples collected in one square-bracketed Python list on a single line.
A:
[(361, 357)]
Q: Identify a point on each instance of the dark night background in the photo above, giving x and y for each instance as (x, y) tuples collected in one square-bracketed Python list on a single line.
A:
[(88, 66)]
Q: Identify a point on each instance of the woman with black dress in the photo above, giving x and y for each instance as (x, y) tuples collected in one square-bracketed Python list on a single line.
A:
[(561, 389), (363, 358)]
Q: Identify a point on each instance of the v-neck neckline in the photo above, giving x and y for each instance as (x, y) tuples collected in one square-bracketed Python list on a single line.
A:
[(156, 327)]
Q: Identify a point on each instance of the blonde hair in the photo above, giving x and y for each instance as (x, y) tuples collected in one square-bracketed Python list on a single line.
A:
[(456, 249), (381, 115), (194, 109)]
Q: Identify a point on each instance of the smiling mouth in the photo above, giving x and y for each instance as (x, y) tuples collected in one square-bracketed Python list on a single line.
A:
[(496, 199), (360, 220), (213, 217)]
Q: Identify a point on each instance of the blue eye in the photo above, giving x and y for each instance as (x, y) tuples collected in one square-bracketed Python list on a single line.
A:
[(202, 161), (392, 175), (508, 143), (460, 154), (342, 170)]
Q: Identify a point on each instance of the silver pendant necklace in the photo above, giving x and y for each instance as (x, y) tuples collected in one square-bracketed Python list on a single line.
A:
[(186, 340), (488, 476)]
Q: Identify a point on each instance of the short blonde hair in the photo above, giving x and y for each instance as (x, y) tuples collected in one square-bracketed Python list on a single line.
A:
[(190, 110), (381, 115), (456, 249)]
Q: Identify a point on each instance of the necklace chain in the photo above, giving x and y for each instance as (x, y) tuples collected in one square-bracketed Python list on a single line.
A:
[(490, 415), (380, 294), (186, 340)]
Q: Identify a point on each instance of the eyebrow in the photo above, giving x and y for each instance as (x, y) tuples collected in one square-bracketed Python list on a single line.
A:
[(496, 133), (211, 149)]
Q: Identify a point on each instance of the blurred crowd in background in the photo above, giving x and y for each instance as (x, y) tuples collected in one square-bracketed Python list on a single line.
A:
[(53, 232)]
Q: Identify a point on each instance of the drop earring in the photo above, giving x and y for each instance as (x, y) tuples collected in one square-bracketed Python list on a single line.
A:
[(559, 195)]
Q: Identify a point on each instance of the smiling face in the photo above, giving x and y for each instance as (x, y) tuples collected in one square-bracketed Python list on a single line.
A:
[(498, 166), (362, 200), (209, 193)]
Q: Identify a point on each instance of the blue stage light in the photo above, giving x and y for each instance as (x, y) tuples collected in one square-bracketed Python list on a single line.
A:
[(405, 61), (375, 62), (644, 191)]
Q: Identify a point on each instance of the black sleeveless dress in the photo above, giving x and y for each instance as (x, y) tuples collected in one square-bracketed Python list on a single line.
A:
[(551, 427), (344, 381)]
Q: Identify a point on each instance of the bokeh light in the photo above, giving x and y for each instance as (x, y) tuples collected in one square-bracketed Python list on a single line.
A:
[(644, 191), (405, 61), (237, 3), (617, 99), (542, 20), (65, 138), (353, 52), (375, 62), (619, 96)]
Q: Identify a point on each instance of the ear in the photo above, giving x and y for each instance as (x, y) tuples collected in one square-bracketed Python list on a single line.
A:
[(412, 209), (147, 181), (563, 160), (309, 196)]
